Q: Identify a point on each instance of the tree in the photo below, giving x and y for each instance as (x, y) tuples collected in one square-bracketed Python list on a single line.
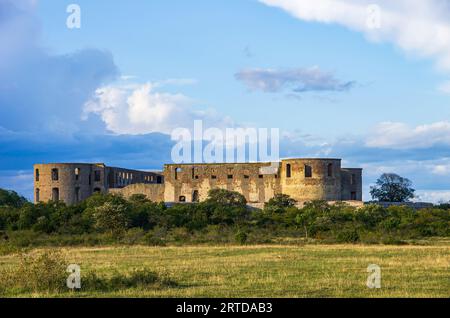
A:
[(224, 197), (279, 203), (11, 198), (390, 187), (111, 217), (305, 218)]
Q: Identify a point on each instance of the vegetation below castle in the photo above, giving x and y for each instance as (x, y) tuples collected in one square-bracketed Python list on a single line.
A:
[(223, 218)]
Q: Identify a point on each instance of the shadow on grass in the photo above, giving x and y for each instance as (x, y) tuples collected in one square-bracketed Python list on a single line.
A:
[(142, 278)]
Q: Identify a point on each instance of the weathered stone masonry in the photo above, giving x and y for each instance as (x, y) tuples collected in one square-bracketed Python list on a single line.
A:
[(75, 182), (302, 179)]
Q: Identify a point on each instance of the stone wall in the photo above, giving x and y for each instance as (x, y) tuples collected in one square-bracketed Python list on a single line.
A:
[(323, 182), (302, 179), (70, 183), (192, 182), (75, 182), (351, 184), (153, 192)]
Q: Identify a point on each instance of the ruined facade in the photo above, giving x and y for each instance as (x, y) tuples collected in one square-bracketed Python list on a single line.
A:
[(75, 182), (302, 179)]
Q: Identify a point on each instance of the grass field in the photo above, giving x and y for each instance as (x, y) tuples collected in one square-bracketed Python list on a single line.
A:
[(269, 271)]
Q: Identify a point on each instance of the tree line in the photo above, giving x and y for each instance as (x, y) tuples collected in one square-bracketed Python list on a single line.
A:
[(223, 217)]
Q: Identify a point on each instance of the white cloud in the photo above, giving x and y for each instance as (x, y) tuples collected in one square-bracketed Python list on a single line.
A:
[(433, 196), (418, 27), (441, 170), (140, 109), (395, 135)]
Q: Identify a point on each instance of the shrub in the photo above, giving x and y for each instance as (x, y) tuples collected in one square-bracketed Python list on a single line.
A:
[(224, 197), (133, 236), (279, 203), (156, 236), (111, 217), (241, 237), (179, 235), (37, 272), (347, 236)]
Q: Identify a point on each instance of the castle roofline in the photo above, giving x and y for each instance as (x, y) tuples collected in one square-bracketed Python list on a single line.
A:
[(217, 163), (309, 158), (249, 163)]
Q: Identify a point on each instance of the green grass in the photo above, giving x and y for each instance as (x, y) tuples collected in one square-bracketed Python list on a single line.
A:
[(265, 271)]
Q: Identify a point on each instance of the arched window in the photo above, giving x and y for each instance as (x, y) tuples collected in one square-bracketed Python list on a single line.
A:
[(288, 170), (38, 192), (308, 171), (330, 169), (37, 175), (77, 174), (182, 198)]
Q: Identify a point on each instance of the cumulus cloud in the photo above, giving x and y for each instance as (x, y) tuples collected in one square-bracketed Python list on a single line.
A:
[(40, 91), (395, 135), (298, 80), (433, 196), (141, 108), (420, 28)]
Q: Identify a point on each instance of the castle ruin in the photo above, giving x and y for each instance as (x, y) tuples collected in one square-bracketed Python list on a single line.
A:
[(302, 179)]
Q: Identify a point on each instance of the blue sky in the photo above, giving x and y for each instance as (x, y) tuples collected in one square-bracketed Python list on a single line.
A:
[(113, 90)]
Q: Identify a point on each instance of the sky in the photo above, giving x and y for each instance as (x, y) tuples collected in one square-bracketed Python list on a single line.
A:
[(342, 78)]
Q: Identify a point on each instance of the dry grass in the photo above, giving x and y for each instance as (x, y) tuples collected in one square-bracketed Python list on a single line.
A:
[(269, 271)]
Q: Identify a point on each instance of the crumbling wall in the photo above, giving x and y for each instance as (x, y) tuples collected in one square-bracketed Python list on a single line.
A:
[(74, 182), (153, 192), (191, 182), (320, 185), (351, 184)]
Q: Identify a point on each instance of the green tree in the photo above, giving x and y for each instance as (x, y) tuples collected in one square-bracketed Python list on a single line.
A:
[(305, 219), (224, 197), (279, 203), (11, 198), (111, 217), (390, 187)]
